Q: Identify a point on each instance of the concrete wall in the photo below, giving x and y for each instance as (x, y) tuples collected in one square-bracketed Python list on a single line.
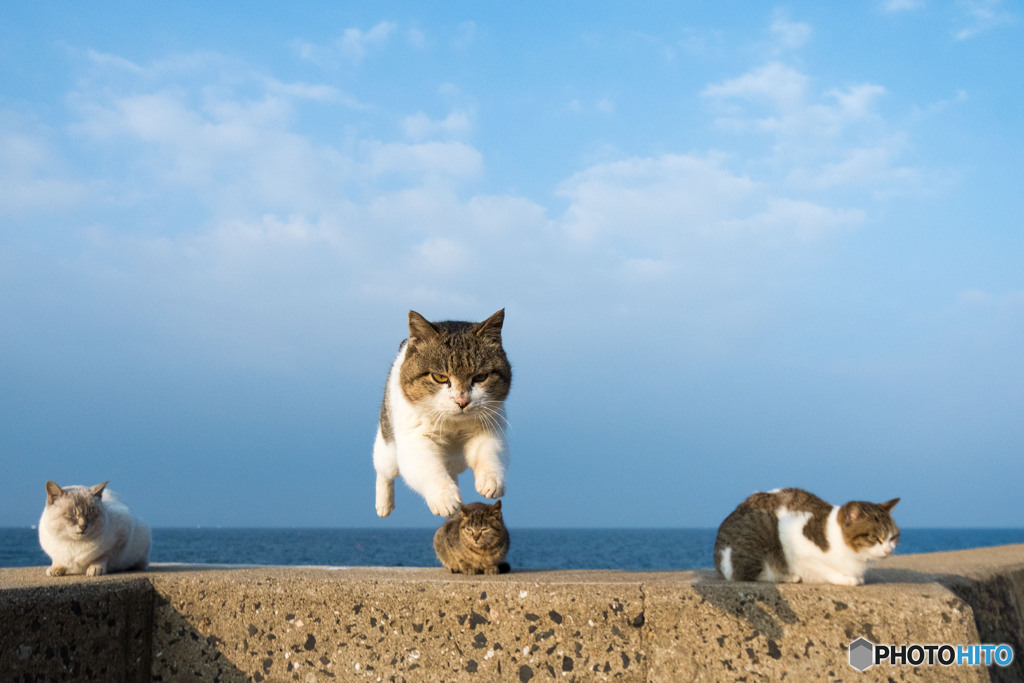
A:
[(337, 624)]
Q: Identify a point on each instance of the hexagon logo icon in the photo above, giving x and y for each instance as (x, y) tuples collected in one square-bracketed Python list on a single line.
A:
[(862, 654)]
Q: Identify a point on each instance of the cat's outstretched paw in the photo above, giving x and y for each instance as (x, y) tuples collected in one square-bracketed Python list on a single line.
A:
[(96, 570), (56, 570), (490, 485), (385, 496), (446, 502)]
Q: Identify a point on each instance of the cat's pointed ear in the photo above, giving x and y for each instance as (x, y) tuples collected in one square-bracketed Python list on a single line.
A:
[(420, 328), (97, 490), (497, 506), (53, 492), (491, 328), (890, 504), (852, 512)]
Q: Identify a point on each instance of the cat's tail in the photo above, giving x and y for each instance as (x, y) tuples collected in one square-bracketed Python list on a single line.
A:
[(504, 568)]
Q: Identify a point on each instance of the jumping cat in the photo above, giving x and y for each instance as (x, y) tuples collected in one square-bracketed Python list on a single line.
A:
[(86, 530), (442, 412), (473, 540), (791, 535)]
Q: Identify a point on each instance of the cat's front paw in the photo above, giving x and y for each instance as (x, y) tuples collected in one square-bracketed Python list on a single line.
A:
[(385, 496), (848, 580), (490, 485), (56, 570), (446, 502), (96, 570)]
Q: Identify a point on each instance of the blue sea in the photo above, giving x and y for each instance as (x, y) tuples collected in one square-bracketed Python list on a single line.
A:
[(627, 549)]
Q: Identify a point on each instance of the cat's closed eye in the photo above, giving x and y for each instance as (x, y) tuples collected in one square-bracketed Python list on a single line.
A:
[(482, 377)]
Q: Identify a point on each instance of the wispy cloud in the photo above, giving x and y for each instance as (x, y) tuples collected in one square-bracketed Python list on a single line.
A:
[(353, 45), (465, 36), (32, 172), (902, 5), (432, 159), (775, 83), (980, 16), (282, 217), (820, 139), (788, 35), (419, 126)]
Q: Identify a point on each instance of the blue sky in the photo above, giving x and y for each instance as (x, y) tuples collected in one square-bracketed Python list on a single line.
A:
[(739, 247)]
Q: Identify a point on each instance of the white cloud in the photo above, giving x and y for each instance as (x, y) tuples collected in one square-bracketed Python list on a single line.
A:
[(312, 91), (646, 268), (831, 139), (856, 102), (444, 254), (466, 35), (789, 35), (416, 38), (981, 299), (672, 205), (115, 62), (775, 82), (355, 43), (32, 173), (784, 220), (419, 126), (980, 16), (902, 5), (286, 219), (446, 159), (776, 98), (648, 198)]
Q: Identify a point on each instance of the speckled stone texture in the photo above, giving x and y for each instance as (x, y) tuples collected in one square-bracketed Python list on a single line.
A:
[(75, 630), (412, 625), (717, 631), (177, 623)]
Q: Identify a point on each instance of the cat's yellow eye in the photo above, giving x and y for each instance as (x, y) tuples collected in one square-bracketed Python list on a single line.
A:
[(440, 379)]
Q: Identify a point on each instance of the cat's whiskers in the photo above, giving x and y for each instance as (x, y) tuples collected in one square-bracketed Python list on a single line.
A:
[(439, 417), (493, 417)]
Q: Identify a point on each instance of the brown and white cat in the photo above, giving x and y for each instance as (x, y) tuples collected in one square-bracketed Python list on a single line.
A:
[(86, 530), (474, 540), (791, 535), (442, 412)]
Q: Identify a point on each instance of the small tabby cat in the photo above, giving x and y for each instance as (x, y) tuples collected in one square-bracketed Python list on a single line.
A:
[(442, 412), (791, 535), (86, 530), (474, 540)]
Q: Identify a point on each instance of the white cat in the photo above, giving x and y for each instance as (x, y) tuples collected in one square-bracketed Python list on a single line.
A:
[(442, 412), (86, 530)]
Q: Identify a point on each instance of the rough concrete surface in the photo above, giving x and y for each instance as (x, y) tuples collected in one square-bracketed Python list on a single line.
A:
[(95, 630), (215, 623)]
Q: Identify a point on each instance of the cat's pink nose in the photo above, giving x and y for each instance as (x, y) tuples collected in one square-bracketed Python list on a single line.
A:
[(461, 399)]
